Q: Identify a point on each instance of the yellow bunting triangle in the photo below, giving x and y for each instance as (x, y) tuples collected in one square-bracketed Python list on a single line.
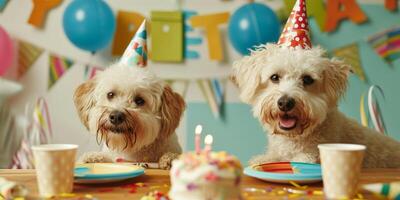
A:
[(27, 55), (350, 54)]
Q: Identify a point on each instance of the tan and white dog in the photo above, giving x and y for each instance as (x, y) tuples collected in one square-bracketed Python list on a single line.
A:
[(131, 111), (294, 91)]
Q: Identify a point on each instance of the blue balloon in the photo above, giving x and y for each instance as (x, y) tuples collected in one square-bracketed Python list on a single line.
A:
[(89, 24), (253, 24)]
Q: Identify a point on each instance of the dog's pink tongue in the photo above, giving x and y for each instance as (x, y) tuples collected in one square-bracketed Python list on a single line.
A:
[(288, 122)]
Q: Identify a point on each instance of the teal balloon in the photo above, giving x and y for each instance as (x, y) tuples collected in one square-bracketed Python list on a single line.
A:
[(89, 24), (251, 25)]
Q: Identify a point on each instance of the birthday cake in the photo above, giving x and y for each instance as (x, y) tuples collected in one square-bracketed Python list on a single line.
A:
[(205, 175)]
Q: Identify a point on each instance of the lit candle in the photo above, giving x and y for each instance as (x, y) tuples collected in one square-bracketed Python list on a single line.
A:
[(197, 138), (208, 140)]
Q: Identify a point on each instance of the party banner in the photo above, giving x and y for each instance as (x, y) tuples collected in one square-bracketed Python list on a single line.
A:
[(91, 71), (179, 86), (211, 23), (391, 5), (167, 36), (57, 68), (40, 10), (190, 41), (387, 44), (27, 55), (350, 54), (213, 93)]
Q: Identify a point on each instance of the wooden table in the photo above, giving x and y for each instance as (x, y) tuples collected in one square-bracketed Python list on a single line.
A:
[(159, 180)]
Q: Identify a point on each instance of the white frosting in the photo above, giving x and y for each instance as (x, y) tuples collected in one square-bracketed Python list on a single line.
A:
[(204, 180)]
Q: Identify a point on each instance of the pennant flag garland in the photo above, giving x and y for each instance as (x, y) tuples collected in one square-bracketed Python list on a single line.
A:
[(179, 86), (91, 71), (58, 67), (27, 55), (218, 92), (350, 54), (212, 92), (387, 44)]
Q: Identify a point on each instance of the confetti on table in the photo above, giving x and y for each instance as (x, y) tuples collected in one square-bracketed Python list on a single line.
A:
[(131, 185), (67, 195), (285, 193), (132, 190), (297, 185), (141, 184)]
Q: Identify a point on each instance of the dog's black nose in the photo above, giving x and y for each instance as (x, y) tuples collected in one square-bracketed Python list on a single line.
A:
[(286, 103), (117, 117)]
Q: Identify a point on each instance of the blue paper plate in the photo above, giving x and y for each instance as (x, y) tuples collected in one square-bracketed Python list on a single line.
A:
[(285, 172), (105, 172)]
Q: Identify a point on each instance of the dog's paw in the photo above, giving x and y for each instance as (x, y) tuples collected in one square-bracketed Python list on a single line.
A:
[(260, 159), (165, 161), (143, 165), (95, 157)]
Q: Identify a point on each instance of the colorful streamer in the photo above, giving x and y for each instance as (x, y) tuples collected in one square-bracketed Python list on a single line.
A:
[(58, 67), (218, 92), (27, 55), (363, 115), (38, 131), (350, 55), (207, 90), (387, 44), (373, 110)]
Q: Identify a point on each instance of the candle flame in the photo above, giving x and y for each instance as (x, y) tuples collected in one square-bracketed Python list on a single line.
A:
[(199, 129), (208, 139)]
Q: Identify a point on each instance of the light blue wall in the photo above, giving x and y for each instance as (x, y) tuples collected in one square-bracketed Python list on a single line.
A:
[(241, 134)]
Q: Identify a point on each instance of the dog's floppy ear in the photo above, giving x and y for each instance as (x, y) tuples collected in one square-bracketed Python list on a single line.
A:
[(247, 76), (335, 78), (84, 100), (172, 107)]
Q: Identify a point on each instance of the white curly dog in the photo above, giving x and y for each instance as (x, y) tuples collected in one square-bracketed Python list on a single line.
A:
[(133, 113), (294, 93)]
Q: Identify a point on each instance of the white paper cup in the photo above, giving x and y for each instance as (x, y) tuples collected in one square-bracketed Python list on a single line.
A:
[(54, 165), (341, 164)]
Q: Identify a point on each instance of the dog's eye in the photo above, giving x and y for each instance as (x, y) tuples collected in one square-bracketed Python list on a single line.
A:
[(275, 78), (139, 101), (308, 80), (110, 95)]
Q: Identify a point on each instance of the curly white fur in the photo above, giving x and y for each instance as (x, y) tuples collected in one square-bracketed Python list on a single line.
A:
[(317, 119), (148, 131)]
